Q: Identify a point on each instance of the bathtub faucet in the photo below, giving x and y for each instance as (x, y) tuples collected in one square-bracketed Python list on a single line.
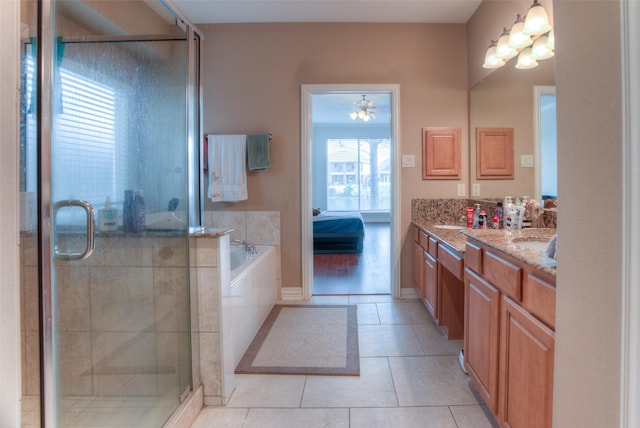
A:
[(248, 246)]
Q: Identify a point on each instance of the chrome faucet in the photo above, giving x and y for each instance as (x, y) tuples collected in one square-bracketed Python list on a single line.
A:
[(248, 246)]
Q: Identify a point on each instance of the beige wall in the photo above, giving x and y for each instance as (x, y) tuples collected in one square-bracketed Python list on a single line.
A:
[(252, 77), (587, 371)]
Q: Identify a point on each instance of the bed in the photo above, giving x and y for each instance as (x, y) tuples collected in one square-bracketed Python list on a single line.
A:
[(338, 232)]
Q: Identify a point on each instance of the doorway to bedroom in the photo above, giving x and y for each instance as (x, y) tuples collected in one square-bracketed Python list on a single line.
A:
[(350, 141)]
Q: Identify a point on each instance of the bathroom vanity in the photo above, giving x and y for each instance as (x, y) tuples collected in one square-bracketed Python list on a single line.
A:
[(497, 291), (509, 342)]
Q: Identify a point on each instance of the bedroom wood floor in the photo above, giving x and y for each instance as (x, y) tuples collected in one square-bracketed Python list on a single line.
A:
[(366, 273)]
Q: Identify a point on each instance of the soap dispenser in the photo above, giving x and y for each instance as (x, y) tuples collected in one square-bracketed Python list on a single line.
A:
[(108, 217)]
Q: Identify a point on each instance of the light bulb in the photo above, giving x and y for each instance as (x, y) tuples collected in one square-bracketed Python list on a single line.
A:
[(537, 21), (490, 58), (525, 61), (551, 41), (517, 38), (540, 49), (503, 50), (354, 115)]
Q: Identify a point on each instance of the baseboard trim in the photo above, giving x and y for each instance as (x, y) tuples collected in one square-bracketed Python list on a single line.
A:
[(291, 293), (408, 293)]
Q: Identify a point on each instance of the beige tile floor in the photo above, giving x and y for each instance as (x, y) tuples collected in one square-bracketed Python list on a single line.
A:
[(409, 377)]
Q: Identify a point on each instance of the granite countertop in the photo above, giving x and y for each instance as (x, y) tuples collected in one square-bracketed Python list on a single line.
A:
[(451, 237), (499, 240), (515, 245)]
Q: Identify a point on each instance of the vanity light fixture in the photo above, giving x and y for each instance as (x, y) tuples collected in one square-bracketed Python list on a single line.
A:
[(537, 21), (490, 58), (364, 110), (530, 38)]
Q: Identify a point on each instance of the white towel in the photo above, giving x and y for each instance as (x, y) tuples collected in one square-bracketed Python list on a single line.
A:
[(227, 168)]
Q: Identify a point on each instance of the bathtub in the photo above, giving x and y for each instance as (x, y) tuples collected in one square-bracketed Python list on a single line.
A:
[(247, 297)]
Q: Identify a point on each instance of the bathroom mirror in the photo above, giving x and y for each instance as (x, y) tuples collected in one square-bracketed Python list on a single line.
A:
[(507, 99)]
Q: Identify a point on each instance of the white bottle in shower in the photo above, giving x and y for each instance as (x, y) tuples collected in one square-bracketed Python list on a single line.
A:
[(108, 217)]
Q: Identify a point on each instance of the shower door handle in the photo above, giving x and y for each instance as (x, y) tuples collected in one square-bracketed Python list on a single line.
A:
[(91, 229)]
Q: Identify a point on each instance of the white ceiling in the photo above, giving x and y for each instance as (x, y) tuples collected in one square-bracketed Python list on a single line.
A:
[(238, 11)]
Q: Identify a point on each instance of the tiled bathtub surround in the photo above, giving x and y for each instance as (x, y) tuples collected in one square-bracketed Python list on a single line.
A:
[(257, 227), (453, 211), (229, 312)]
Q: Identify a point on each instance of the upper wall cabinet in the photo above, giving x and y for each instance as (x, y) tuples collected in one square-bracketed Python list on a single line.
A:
[(441, 154), (494, 153)]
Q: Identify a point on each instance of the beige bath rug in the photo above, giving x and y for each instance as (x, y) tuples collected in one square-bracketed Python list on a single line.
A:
[(305, 339)]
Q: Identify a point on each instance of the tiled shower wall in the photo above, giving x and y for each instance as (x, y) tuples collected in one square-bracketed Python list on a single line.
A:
[(125, 307)]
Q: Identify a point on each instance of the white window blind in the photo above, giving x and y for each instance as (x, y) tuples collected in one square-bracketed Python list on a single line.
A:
[(89, 148)]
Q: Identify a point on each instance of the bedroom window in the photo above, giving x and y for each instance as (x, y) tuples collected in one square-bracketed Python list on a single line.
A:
[(358, 176)]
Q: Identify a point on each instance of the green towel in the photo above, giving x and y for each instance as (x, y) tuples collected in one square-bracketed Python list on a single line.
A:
[(258, 152)]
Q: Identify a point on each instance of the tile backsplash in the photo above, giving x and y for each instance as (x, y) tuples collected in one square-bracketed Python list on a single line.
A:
[(453, 210)]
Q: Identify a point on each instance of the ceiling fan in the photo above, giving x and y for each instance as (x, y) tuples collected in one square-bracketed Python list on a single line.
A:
[(365, 110)]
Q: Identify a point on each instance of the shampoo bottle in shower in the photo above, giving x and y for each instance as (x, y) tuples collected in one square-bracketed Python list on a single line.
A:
[(128, 212), (139, 224), (108, 217)]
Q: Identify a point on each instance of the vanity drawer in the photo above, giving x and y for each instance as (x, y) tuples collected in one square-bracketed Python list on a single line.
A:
[(539, 298), (433, 247), (451, 261), (473, 257), (424, 240), (503, 274)]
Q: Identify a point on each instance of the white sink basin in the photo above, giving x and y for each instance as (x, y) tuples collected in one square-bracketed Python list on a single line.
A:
[(449, 226)]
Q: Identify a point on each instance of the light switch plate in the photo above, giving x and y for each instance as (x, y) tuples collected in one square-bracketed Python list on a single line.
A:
[(526, 161), (461, 189), (475, 189), (408, 161)]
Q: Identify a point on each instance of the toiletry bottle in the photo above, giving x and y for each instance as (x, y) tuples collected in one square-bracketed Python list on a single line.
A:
[(476, 216), (497, 216), (507, 212), (482, 220), (128, 212), (469, 211), (139, 216), (108, 217)]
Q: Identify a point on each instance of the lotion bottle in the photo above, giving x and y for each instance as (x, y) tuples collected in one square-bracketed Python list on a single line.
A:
[(108, 217)]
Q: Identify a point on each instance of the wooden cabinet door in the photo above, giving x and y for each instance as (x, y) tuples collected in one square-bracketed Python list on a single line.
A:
[(526, 369), (431, 284), (481, 346), (418, 269), (494, 154), (441, 154)]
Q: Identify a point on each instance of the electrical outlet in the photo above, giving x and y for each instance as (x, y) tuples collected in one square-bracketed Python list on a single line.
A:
[(461, 189), (475, 189)]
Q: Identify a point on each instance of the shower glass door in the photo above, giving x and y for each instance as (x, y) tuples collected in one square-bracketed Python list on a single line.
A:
[(118, 237)]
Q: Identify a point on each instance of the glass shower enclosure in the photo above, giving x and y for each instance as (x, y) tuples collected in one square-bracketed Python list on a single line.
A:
[(110, 131)]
